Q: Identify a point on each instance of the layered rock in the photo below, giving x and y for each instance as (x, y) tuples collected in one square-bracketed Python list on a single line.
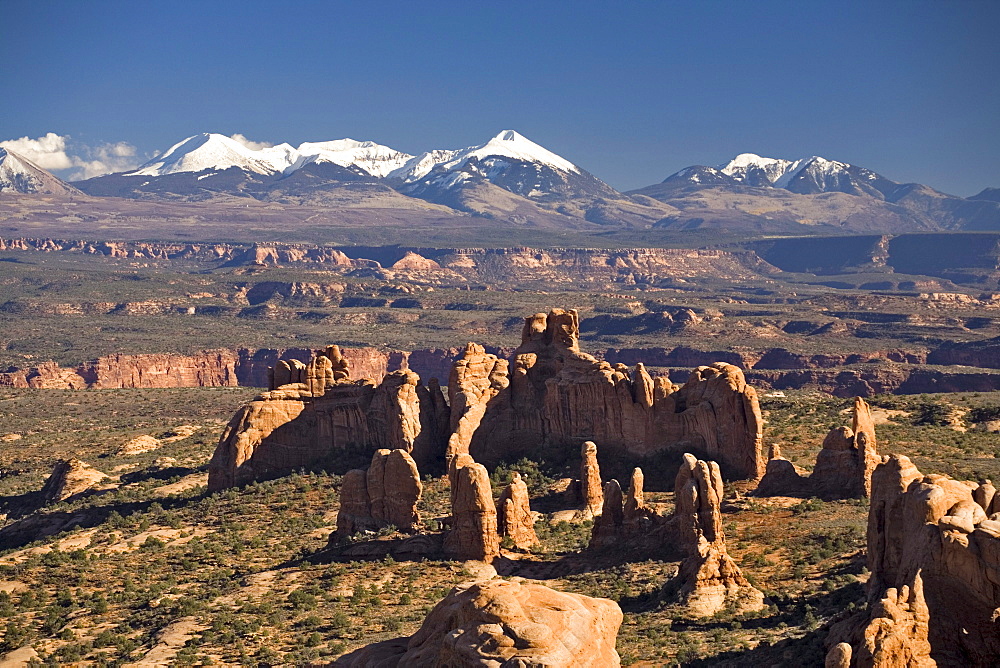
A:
[(558, 395), (709, 578), (514, 517), (384, 494), (315, 411), (934, 557), (505, 623), (843, 467), (473, 534), (69, 478)]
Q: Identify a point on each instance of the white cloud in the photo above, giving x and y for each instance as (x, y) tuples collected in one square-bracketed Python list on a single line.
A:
[(60, 153), (104, 159), (252, 145), (48, 152)]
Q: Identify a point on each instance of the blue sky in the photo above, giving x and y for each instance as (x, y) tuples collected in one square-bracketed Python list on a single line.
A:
[(631, 91)]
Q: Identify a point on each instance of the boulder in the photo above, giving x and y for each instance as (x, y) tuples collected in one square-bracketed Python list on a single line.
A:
[(505, 623), (69, 478)]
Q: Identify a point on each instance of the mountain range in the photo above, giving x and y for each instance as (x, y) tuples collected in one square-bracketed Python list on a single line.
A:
[(512, 179)]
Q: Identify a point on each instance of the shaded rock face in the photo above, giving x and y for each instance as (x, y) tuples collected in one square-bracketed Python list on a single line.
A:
[(625, 519), (514, 517), (934, 557), (319, 412), (473, 533), (843, 467), (384, 494), (710, 580), (557, 395), (70, 477), (505, 623)]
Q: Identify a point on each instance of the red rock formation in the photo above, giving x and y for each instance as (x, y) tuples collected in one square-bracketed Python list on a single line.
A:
[(318, 413), (625, 520), (386, 494), (558, 395), (505, 623), (514, 517), (710, 579), (934, 558), (843, 467), (473, 534), (591, 494)]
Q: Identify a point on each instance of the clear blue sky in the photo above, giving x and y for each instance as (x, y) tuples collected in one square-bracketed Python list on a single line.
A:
[(631, 91)]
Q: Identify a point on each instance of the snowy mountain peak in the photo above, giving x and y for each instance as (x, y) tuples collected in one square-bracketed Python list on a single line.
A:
[(20, 175), (376, 159), (511, 144), (209, 150)]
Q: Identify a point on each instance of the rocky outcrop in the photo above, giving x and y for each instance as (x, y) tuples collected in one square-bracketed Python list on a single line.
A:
[(385, 494), (514, 517), (557, 395), (709, 579), (473, 534), (319, 413), (625, 520), (69, 478), (505, 623), (934, 557), (843, 467)]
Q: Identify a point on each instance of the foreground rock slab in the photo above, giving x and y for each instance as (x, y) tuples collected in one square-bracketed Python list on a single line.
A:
[(505, 623)]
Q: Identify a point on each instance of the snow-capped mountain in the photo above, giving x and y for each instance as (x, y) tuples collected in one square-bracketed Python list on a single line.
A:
[(805, 176), (210, 151), (216, 152), (376, 159), (510, 161), (20, 175)]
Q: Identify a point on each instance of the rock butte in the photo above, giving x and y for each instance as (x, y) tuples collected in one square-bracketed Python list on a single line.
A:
[(843, 467), (934, 557), (504, 623), (548, 394)]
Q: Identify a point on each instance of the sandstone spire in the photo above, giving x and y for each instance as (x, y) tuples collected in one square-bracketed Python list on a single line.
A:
[(590, 480), (514, 514), (386, 494), (710, 579), (473, 533)]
